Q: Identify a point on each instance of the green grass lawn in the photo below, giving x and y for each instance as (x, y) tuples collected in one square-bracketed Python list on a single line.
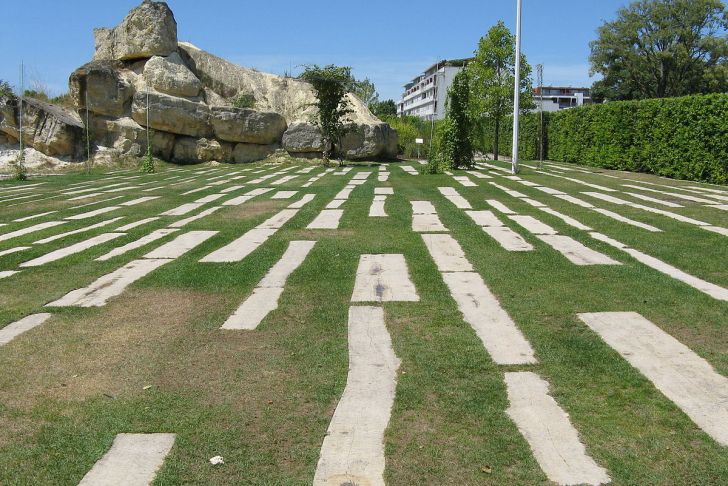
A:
[(263, 399)]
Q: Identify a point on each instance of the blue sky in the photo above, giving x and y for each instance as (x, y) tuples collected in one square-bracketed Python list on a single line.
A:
[(387, 41)]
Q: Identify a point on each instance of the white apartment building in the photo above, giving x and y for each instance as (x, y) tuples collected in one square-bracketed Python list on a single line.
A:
[(425, 95), (557, 98)]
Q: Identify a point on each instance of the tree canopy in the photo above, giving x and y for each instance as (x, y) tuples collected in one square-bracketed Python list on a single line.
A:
[(383, 109), (492, 79), (365, 90), (456, 145), (331, 84), (662, 48)]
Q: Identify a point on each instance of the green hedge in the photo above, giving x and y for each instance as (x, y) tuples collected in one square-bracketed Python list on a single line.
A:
[(681, 138)]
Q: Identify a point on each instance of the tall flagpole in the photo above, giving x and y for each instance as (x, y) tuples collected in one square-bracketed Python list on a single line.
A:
[(517, 90)]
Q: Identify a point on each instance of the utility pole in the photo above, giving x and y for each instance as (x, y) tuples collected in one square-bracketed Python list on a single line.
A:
[(20, 120), (517, 90)]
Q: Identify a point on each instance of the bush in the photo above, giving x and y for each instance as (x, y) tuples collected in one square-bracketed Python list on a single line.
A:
[(244, 100), (681, 138), (409, 129)]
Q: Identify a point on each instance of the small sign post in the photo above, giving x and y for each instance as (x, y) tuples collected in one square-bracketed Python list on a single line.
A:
[(419, 141)]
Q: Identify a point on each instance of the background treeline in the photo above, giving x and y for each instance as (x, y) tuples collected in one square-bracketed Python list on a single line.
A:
[(681, 138)]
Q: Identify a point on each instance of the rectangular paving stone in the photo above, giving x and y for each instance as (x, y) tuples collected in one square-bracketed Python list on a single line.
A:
[(447, 253), (30, 229), (495, 328), (352, 452), (181, 245), (507, 238), (484, 218), (143, 241), (547, 429), (71, 250), (133, 460), (576, 252), (15, 329), (383, 278), (202, 214), (427, 223), (95, 212), (675, 370), (240, 248), (327, 219), (78, 231)]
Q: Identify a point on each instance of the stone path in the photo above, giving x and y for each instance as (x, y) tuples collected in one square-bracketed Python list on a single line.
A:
[(680, 374), (383, 278), (133, 460), (11, 331), (264, 298)]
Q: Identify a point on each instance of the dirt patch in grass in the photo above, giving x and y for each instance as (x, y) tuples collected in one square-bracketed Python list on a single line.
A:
[(113, 351), (253, 209)]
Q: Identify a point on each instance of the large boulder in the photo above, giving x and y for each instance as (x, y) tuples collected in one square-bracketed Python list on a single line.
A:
[(128, 137), (47, 128), (246, 125), (149, 30), (192, 150), (249, 152), (169, 75), (375, 141), (173, 115), (302, 138), (102, 86)]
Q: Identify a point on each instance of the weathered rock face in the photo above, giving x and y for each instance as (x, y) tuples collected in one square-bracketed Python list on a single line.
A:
[(192, 150), (249, 152), (171, 114), (169, 75), (302, 137), (101, 85), (246, 125), (149, 30), (190, 96), (369, 142), (47, 128)]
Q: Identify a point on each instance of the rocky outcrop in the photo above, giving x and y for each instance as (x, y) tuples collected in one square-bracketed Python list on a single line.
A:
[(149, 30), (169, 75), (302, 138), (192, 150), (141, 76), (47, 128), (172, 114), (102, 86), (246, 125)]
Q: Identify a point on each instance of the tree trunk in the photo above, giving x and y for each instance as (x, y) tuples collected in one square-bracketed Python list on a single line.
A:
[(497, 139)]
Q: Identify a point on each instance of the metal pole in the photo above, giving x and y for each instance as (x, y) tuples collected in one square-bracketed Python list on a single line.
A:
[(517, 90), (20, 120), (539, 73)]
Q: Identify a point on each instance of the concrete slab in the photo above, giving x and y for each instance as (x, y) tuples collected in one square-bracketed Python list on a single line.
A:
[(383, 278), (377, 208), (30, 229), (94, 213), (284, 194), (143, 241), (547, 429), (566, 219), (336, 204), (78, 231), (202, 214), (384, 191), (307, 198), (682, 376), (140, 200), (427, 223), (237, 201), (181, 245), (576, 252), (183, 209), (7, 273), (507, 238), (292, 259), (423, 207), (499, 206), (495, 328), (17, 249), (279, 219), (532, 225), (484, 218), (240, 248), (71, 250), (344, 193), (33, 216), (327, 219), (110, 285), (353, 450), (136, 224), (15, 329), (254, 309), (447, 253), (465, 181), (133, 460)]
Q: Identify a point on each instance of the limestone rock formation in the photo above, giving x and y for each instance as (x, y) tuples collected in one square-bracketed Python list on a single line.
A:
[(48, 128), (169, 75), (149, 30), (140, 74)]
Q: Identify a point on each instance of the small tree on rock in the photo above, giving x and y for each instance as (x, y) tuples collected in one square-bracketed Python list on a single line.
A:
[(331, 84)]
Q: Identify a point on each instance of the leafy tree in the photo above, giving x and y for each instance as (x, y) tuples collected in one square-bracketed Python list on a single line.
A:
[(5, 88), (385, 108), (365, 90), (662, 48), (492, 77), (456, 145), (331, 84)]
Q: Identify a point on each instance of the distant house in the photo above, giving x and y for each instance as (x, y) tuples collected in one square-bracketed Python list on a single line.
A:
[(426, 94), (557, 98)]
